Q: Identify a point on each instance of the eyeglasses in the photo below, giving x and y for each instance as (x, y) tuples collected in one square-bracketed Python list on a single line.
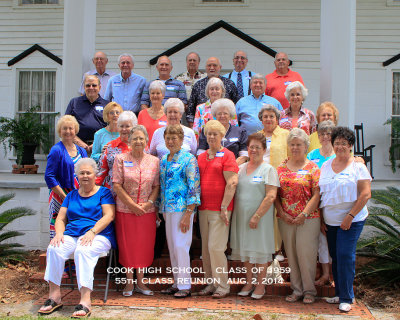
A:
[(97, 59), (256, 148), (341, 144), (240, 58), (88, 85), (323, 134), (112, 113)]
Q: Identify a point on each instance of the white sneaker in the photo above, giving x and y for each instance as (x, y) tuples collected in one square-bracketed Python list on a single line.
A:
[(333, 300), (345, 307)]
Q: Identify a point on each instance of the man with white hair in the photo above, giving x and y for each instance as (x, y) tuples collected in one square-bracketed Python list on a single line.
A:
[(240, 76), (278, 80), (100, 61), (193, 74), (126, 88), (174, 88)]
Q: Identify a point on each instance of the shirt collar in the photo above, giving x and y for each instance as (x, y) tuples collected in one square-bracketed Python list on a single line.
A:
[(289, 110), (86, 98), (259, 98)]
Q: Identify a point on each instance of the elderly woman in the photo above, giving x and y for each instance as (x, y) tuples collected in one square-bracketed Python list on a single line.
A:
[(126, 121), (136, 183), (235, 138), (345, 189), (83, 229), (154, 117), (299, 223), (326, 111), (252, 232), (174, 110), (180, 193), (103, 136), (296, 116), (59, 175), (319, 157), (218, 177), (215, 90)]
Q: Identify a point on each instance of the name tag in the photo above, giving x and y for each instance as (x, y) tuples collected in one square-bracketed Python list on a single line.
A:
[(170, 88), (219, 154), (257, 179), (302, 172), (315, 160), (176, 165), (268, 142), (128, 163), (162, 123), (287, 82), (117, 84), (284, 120), (99, 108), (234, 139)]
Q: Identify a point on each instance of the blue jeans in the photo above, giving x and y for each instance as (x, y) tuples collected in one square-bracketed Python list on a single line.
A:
[(342, 248)]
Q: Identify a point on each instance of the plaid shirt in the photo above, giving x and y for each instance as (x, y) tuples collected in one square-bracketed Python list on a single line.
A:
[(198, 95), (174, 89), (189, 82), (306, 120)]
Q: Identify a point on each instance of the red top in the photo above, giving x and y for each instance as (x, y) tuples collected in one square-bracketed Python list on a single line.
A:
[(276, 85), (212, 181), (150, 124)]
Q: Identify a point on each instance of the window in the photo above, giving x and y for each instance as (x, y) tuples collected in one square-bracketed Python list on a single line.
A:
[(395, 136), (222, 3), (39, 2), (38, 87)]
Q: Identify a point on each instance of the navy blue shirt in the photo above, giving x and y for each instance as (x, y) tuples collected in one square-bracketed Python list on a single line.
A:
[(84, 212), (89, 115)]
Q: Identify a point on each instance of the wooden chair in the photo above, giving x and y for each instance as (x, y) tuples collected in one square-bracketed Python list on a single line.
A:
[(360, 150)]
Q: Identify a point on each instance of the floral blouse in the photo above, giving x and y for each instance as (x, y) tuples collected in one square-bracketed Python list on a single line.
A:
[(296, 188), (106, 162), (179, 182), (137, 178), (203, 115), (306, 120)]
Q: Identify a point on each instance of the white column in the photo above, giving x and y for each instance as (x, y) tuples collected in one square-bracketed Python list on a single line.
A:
[(337, 56), (78, 45)]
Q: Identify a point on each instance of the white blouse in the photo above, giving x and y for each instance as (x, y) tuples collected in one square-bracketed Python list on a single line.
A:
[(339, 192)]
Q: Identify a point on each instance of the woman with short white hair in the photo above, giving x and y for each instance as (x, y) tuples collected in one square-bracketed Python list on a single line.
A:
[(174, 110), (299, 217), (215, 90), (296, 116), (235, 138)]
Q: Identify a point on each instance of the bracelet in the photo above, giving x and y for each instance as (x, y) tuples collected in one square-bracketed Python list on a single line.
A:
[(351, 215), (92, 231), (151, 201), (305, 214), (257, 215), (189, 210), (224, 207)]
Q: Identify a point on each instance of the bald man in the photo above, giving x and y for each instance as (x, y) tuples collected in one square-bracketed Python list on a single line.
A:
[(198, 96), (100, 61)]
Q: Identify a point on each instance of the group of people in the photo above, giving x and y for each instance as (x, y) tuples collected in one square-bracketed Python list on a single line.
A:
[(254, 168)]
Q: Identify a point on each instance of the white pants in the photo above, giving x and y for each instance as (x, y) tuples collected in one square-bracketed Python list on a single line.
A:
[(323, 252), (179, 245), (85, 259)]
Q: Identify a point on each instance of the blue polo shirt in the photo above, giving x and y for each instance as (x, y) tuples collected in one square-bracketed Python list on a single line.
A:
[(126, 92), (174, 89), (247, 110), (89, 115)]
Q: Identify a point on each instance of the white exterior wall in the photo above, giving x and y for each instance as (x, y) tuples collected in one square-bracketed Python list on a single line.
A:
[(146, 28)]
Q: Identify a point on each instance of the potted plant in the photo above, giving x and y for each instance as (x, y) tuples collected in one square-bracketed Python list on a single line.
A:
[(395, 141), (25, 132)]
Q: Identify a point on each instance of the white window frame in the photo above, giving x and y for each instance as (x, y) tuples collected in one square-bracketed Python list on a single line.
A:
[(201, 3), (17, 4)]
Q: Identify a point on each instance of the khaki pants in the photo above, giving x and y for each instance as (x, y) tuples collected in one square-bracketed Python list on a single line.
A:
[(214, 239), (301, 247)]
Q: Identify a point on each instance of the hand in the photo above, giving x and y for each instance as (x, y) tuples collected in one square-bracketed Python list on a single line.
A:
[(87, 238), (346, 223), (254, 221), (224, 216), (57, 240), (323, 227), (146, 206), (90, 148), (137, 210), (299, 220), (104, 148), (359, 159), (184, 224), (287, 218)]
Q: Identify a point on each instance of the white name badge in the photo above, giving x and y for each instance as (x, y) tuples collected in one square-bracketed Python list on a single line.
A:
[(219, 154), (287, 82), (170, 88), (315, 160), (128, 163), (257, 179), (162, 123), (284, 120), (268, 143), (117, 84), (234, 139), (303, 172), (99, 108), (176, 165)]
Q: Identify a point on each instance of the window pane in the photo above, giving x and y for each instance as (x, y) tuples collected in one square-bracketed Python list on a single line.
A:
[(24, 90)]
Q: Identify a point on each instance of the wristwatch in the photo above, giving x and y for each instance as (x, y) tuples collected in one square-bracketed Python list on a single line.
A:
[(305, 214)]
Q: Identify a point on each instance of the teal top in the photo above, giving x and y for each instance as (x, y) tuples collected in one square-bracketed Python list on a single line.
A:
[(316, 157), (101, 138)]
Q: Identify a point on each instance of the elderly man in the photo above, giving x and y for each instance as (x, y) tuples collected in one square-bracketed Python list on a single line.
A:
[(198, 96), (88, 111), (174, 88), (278, 80), (248, 107), (240, 76), (192, 75), (126, 88), (100, 61)]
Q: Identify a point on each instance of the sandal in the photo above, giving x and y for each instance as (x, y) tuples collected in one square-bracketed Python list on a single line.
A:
[(81, 307), (292, 298), (219, 295), (169, 290), (207, 291), (54, 306), (308, 299), (182, 294)]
